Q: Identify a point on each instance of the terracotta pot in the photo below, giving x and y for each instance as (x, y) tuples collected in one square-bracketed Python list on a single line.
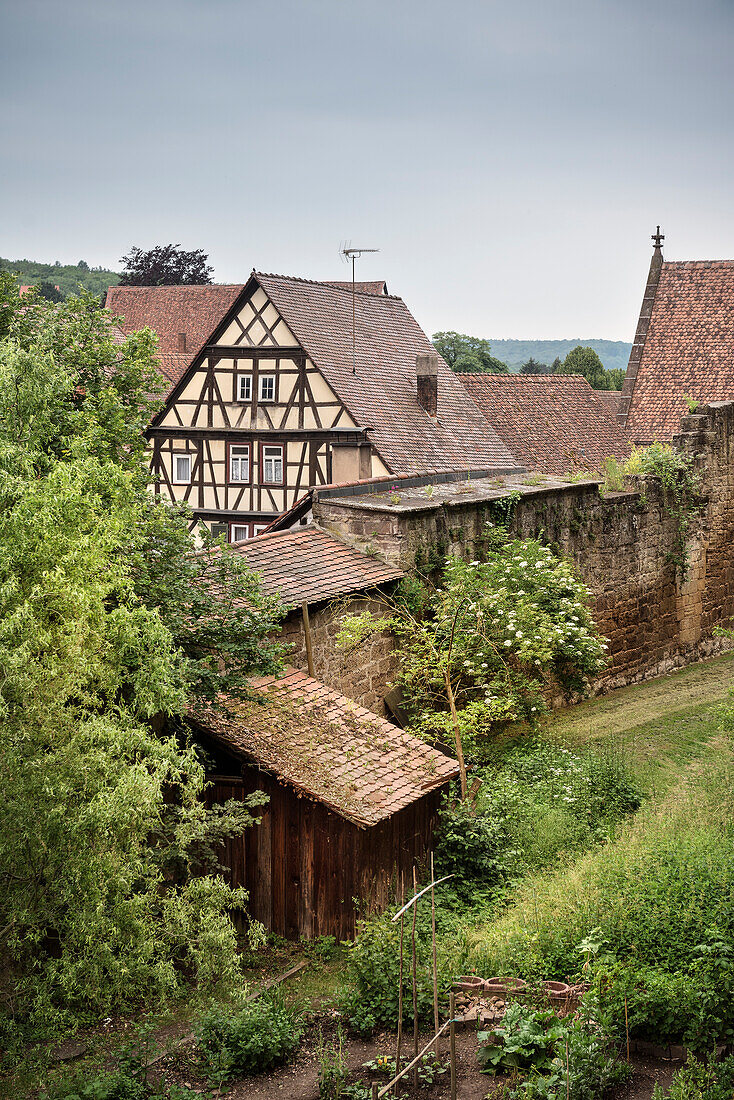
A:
[(558, 991), (505, 985), (469, 983)]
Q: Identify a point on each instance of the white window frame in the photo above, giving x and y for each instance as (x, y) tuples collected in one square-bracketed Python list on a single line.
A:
[(258, 528), (266, 459), (235, 463), (177, 457), (266, 382), (244, 387), (234, 527)]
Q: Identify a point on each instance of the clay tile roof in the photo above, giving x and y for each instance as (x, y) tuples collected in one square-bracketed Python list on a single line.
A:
[(551, 422), (382, 394), (317, 740), (378, 287), (610, 400), (689, 347), (171, 311), (307, 565)]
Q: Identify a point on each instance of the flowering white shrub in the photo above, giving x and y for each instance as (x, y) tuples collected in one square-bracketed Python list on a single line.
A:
[(510, 629)]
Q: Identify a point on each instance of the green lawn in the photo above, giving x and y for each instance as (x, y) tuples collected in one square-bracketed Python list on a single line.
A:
[(661, 726)]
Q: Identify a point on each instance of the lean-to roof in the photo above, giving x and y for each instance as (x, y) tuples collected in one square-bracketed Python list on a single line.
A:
[(325, 746)]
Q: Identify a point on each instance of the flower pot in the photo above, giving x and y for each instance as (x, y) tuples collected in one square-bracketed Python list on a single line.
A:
[(557, 991), (505, 985), (469, 983)]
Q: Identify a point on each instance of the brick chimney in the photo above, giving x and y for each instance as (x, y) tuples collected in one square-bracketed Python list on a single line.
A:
[(426, 368), (182, 341)]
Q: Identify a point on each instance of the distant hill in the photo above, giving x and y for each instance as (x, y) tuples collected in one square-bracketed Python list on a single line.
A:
[(613, 353), (66, 276)]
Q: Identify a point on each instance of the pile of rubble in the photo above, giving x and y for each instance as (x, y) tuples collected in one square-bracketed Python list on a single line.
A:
[(481, 1002)]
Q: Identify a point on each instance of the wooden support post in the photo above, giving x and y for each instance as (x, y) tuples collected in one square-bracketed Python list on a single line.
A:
[(415, 987), (452, 1042), (307, 634), (375, 1090), (400, 985), (435, 965)]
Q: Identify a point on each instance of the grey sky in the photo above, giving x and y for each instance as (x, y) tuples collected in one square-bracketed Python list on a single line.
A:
[(510, 159)]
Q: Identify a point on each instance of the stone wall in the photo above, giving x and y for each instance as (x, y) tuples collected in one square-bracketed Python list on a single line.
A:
[(362, 673), (624, 546)]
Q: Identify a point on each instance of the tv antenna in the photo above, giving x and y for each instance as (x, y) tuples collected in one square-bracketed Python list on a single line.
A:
[(352, 254)]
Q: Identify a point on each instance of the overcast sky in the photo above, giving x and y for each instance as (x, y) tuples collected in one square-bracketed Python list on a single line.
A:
[(509, 159)]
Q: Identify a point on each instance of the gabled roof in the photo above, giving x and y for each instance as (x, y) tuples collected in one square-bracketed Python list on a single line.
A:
[(315, 739), (688, 348), (610, 400), (171, 311), (381, 393), (551, 422), (378, 287), (307, 565)]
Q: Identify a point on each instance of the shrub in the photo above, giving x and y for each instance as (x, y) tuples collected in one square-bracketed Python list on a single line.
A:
[(700, 1081), (247, 1040), (374, 965), (333, 1067)]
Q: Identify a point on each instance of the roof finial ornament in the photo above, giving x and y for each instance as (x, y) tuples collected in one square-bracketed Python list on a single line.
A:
[(657, 239)]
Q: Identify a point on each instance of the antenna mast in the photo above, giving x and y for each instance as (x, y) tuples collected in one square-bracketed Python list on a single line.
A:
[(350, 253)]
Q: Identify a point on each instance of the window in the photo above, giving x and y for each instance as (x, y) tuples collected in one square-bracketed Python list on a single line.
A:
[(239, 531), (267, 387), (219, 529), (257, 528), (181, 469), (244, 387), (271, 461), (239, 463)]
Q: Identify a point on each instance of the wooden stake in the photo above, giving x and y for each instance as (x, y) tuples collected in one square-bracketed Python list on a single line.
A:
[(307, 635), (452, 1042), (400, 985), (568, 1080), (627, 1029), (435, 966), (375, 1090), (415, 988)]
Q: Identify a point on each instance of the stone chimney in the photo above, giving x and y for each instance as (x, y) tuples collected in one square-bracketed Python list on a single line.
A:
[(182, 341), (426, 368)]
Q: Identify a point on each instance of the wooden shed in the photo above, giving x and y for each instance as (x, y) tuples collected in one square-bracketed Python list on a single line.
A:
[(352, 803)]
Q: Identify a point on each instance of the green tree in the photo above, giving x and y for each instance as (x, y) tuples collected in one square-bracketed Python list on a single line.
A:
[(584, 360), (615, 378), (533, 367), (50, 291), (165, 265), (111, 627), (467, 354)]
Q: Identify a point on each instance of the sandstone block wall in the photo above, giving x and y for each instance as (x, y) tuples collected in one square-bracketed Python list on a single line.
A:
[(624, 546), (363, 673)]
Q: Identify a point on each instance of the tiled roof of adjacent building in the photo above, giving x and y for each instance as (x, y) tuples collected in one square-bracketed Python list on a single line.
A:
[(308, 565), (551, 422), (323, 744), (172, 312), (378, 287), (688, 350), (381, 392), (610, 400)]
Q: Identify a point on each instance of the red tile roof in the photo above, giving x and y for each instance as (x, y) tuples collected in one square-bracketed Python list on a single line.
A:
[(551, 422), (307, 565), (170, 311), (688, 349), (610, 400), (315, 739), (381, 393), (378, 287)]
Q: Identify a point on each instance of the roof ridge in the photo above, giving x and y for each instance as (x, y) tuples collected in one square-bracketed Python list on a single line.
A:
[(333, 285)]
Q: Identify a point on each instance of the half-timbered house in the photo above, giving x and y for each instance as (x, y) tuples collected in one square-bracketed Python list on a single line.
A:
[(283, 383)]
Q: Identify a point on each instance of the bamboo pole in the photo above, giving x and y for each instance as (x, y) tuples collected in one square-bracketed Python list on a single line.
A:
[(415, 989), (452, 1042), (627, 1029), (435, 965), (429, 1044), (400, 984)]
